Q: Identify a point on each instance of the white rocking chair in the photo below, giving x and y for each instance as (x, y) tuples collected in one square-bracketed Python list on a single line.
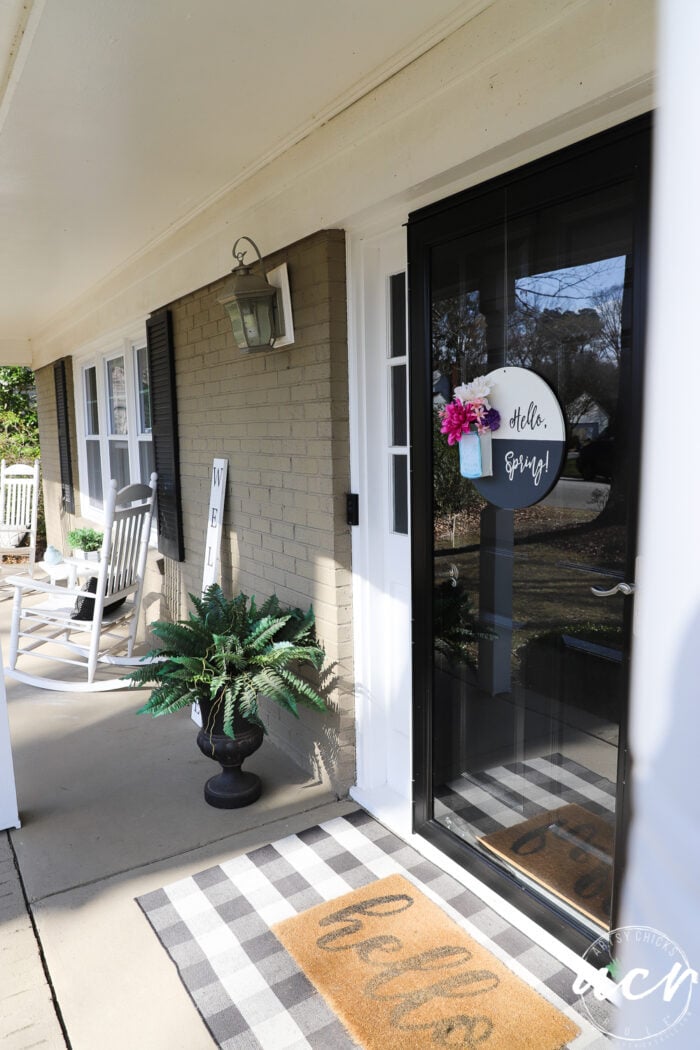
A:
[(113, 597), (19, 503)]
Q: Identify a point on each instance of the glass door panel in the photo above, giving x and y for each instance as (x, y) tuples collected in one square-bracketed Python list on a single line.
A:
[(529, 665)]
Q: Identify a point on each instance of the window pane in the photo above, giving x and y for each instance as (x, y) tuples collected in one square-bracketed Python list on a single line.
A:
[(94, 471), (116, 396), (144, 390), (92, 420), (399, 413), (146, 461), (400, 471), (119, 462), (397, 294)]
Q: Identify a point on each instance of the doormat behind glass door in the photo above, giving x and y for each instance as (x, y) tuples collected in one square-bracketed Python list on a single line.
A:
[(569, 851)]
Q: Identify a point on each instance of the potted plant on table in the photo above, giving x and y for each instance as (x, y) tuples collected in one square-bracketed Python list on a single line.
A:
[(224, 657), (85, 543)]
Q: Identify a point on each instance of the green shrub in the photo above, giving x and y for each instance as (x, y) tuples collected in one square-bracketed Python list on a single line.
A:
[(85, 539)]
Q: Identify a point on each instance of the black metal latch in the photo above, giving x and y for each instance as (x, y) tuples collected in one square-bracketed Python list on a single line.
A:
[(352, 508)]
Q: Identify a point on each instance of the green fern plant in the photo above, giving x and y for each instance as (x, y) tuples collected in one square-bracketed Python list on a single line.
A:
[(227, 654), (456, 627)]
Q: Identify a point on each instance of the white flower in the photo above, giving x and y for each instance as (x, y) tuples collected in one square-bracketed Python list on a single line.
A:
[(478, 388)]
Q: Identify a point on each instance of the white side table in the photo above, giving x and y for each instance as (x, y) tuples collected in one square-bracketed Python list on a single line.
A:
[(70, 570)]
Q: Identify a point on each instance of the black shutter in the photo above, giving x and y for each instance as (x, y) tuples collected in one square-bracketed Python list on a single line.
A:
[(62, 419), (161, 366)]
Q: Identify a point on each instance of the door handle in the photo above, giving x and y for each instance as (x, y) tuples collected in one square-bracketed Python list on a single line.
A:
[(623, 588)]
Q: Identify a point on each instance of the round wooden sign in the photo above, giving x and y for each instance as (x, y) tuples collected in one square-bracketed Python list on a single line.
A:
[(529, 447)]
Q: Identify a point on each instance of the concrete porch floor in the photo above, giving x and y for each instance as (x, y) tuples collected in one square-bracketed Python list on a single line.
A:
[(111, 806)]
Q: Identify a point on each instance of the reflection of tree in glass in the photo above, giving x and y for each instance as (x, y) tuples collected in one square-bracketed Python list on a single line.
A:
[(572, 287), (566, 325), (608, 305), (576, 350), (458, 336), (452, 493), (456, 627)]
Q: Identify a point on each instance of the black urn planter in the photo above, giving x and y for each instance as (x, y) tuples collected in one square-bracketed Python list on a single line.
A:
[(233, 787)]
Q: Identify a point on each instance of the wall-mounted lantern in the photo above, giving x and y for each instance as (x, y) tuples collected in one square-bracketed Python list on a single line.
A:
[(254, 306)]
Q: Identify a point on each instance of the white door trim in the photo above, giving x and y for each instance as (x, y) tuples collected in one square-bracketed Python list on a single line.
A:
[(381, 750), (381, 559)]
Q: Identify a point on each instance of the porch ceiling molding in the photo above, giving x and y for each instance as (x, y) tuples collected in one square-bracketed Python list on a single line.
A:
[(511, 84)]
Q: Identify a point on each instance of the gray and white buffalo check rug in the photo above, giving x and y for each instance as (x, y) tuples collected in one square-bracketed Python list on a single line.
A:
[(249, 991)]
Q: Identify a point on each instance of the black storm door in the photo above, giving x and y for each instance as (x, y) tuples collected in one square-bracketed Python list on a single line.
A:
[(522, 618)]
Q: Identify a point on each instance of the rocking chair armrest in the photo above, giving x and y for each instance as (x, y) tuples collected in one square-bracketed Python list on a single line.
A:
[(29, 583)]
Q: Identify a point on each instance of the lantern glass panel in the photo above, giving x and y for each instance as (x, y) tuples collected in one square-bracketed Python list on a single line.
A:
[(257, 321), (234, 314)]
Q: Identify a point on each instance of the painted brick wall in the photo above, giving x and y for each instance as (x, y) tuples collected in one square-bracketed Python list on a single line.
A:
[(281, 419)]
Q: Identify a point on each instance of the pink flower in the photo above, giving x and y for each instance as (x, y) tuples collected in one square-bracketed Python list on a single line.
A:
[(455, 421), (478, 408), (470, 407), (458, 416)]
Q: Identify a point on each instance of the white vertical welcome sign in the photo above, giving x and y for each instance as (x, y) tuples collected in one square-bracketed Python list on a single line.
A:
[(212, 545), (9, 817)]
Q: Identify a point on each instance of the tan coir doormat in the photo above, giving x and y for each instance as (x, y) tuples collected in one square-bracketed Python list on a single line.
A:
[(568, 850), (401, 975)]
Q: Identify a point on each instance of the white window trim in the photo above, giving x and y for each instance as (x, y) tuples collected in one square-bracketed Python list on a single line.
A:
[(124, 343)]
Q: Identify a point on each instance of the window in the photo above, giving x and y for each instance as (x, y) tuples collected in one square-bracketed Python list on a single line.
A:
[(398, 403), (92, 437), (143, 405), (114, 388)]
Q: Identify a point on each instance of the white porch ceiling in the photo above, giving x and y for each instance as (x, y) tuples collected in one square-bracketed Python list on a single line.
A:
[(120, 119)]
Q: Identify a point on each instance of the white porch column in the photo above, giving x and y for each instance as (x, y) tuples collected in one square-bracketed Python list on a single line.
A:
[(662, 887), (9, 817)]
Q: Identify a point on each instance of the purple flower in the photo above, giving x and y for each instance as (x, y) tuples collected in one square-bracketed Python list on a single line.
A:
[(491, 419)]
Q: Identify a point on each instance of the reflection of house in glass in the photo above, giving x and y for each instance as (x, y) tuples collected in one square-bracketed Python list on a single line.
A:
[(587, 419), (442, 389)]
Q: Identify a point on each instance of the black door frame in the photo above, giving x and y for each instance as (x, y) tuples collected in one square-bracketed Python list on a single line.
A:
[(608, 158)]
